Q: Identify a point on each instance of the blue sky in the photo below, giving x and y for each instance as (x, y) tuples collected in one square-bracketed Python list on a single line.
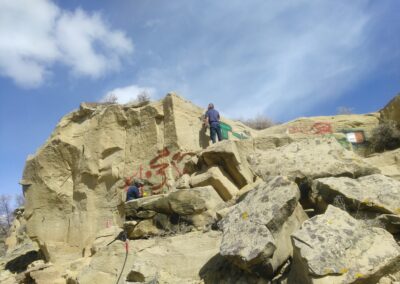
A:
[(284, 59)]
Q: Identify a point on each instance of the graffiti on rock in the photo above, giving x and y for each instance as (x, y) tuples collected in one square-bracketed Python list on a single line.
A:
[(155, 170), (317, 128)]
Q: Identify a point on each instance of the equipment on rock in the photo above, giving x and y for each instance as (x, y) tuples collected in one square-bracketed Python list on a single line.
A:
[(123, 236)]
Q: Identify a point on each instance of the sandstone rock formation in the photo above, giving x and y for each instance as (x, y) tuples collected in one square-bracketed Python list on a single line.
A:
[(176, 212), (256, 232), (374, 193), (310, 159), (177, 259), (231, 212), (335, 248), (338, 126), (74, 183), (320, 125), (387, 162)]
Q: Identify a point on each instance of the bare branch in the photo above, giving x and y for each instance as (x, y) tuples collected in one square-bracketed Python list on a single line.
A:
[(259, 122)]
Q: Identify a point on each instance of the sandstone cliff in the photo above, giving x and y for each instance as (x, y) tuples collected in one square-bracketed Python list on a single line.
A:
[(256, 208), (73, 183)]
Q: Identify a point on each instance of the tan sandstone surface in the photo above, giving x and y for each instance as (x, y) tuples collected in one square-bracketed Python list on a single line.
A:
[(232, 212)]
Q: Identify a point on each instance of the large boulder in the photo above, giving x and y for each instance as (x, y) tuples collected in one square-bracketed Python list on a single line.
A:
[(182, 202), (256, 232), (226, 155), (75, 182), (218, 179), (335, 248), (387, 162), (176, 212), (374, 193), (176, 259), (310, 159)]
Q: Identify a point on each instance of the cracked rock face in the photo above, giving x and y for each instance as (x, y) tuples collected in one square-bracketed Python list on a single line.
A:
[(74, 184), (309, 159), (388, 163), (335, 248), (375, 193), (256, 232)]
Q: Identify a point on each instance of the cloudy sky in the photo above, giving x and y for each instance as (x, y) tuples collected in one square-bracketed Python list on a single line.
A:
[(284, 59)]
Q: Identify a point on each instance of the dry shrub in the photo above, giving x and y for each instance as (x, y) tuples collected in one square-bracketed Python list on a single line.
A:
[(143, 97), (259, 122), (109, 99), (384, 137)]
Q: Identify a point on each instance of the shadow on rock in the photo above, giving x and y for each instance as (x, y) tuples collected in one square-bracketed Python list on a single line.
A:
[(219, 270)]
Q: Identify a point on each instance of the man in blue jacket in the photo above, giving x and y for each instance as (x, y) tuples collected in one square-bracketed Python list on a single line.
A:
[(212, 119), (135, 191)]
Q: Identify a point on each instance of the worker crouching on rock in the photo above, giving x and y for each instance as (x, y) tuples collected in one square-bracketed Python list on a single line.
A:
[(135, 191)]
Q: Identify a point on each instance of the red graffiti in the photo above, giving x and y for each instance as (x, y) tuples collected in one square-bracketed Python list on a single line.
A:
[(157, 168), (179, 156), (318, 128), (322, 128), (161, 154)]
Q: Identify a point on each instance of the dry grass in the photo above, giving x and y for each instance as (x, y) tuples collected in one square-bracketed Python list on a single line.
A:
[(259, 122), (109, 99), (385, 137)]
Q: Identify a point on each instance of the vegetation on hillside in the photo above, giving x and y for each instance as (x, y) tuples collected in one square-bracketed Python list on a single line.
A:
[(385, 137), (259, 122), (112, 98)]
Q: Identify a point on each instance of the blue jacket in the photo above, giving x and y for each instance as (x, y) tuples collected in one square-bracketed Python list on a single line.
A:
[(133, 193), (213, 116)]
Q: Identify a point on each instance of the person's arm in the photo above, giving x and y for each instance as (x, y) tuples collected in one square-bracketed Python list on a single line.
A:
[(141, 190), (206, 122)]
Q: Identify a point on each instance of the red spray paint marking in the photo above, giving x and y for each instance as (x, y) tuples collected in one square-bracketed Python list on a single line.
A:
[(322, 128), (160, 168), (318, 128), (161, 154)]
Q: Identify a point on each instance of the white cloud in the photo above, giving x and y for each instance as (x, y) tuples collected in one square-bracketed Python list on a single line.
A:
[(78, 34), (129, 93), (37, 34)]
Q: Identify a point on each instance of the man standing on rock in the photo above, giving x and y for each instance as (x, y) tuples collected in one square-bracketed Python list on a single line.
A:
[(212, 119)]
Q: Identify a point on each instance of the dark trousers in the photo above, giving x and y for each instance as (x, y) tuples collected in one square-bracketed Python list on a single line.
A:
[(215, 128)]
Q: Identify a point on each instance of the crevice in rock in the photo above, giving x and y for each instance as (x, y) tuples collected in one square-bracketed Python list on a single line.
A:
[(304, 185), (20, 264)]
